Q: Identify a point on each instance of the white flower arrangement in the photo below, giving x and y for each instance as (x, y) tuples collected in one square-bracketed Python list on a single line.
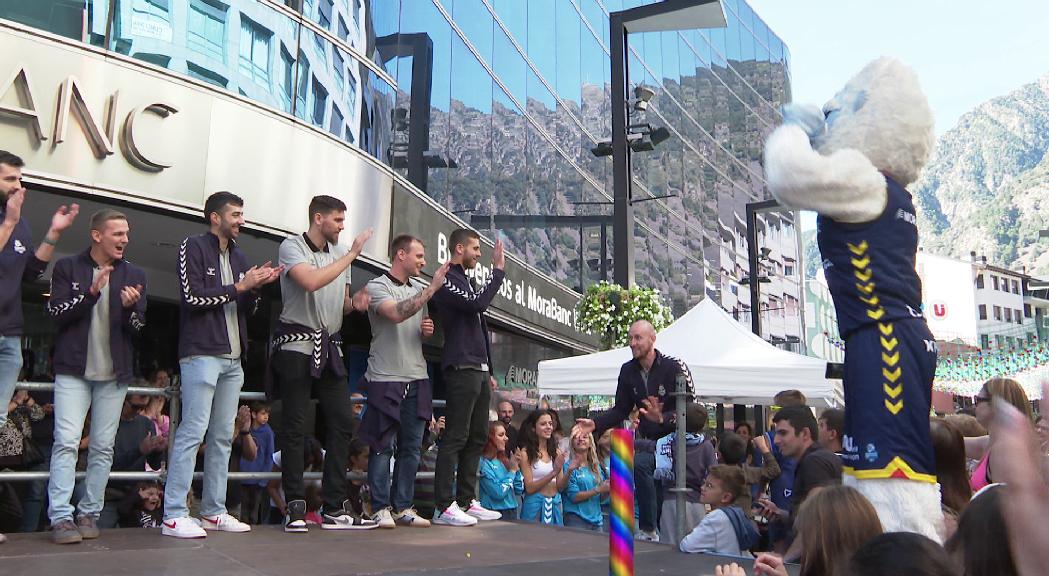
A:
[(607, 310)]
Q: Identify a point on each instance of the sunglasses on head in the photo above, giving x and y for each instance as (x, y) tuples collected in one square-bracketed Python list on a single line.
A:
[(980, 399)]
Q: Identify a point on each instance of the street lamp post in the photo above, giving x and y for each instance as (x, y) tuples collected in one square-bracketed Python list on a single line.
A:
[(657, 17)]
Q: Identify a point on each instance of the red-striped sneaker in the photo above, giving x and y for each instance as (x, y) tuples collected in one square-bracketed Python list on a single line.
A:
[(224, 523)]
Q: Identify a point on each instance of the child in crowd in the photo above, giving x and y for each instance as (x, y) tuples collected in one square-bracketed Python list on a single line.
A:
[(501, 479), (252, 504), (732, 451), (725, 530), (357, 495), (143, 507), (699, 457), (587, 484)]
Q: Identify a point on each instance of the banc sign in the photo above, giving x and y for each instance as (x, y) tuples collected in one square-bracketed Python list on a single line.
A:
[(71, 105)]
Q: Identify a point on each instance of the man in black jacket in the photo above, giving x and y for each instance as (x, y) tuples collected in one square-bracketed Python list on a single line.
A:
[(97, 301), (217, 294), (646, 382), (466, 361)]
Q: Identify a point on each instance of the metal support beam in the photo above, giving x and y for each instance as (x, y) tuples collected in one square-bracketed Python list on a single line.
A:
[(753, 209), (622, 209)]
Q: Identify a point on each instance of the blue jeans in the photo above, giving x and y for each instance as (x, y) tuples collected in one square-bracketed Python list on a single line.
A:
[(645, 489), (73, 397), (10, 366), (408, 446), (210, 396)]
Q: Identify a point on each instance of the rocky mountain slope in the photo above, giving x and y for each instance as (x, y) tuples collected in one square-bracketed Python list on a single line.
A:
[(986, 188)]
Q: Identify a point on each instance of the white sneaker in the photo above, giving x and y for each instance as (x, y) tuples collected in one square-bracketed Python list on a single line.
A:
[(384, 518), (224, 523), (453, 516), (647, 536), (409, 517), (183, 527), (482, 513)]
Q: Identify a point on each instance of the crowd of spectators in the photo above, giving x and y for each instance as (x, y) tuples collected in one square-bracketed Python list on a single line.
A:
[(555, 476)]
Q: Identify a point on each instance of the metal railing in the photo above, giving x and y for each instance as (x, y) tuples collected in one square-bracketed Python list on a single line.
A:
[(173, 393)]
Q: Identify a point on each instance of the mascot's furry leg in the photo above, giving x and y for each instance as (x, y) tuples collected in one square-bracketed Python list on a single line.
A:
[(851, 162), (904, 505)]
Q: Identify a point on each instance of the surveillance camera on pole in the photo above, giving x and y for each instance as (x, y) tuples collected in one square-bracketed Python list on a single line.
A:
[(642, 95)]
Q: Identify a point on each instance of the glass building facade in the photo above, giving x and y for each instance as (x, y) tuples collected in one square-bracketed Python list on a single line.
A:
[(492, 108)]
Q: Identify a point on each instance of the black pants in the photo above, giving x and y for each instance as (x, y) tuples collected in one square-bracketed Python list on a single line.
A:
[(466, 430), (292, 370), (252, 510)]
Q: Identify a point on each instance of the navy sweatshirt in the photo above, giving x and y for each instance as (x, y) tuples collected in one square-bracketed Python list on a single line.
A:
[(461, 312), (202, 319), (71, 304), (18, 263), (632, 390)]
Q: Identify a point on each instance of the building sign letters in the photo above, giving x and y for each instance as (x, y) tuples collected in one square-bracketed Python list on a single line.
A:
[(101, 136)]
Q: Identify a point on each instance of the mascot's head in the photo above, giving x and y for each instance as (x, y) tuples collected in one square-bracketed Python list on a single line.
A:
[(883, 113)]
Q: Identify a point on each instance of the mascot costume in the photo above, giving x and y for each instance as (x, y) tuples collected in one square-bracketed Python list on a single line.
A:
[(850, 163)]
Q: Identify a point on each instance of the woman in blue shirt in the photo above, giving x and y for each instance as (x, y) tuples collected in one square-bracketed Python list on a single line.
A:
[(587, 485), (501, 480)]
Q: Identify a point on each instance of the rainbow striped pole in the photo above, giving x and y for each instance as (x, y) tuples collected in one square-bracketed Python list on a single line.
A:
[(621, 518)]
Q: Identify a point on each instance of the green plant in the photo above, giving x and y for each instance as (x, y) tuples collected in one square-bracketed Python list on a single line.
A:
[(607, 310)]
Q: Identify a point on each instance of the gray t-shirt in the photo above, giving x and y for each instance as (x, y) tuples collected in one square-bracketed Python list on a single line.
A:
[(99, 356), (229, 309), (321, 308), (396, 353)]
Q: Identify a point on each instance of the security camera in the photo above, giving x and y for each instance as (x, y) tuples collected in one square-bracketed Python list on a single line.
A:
[(642, 94)]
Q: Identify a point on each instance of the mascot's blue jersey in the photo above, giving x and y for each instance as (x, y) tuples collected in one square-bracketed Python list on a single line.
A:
[(870, 266), (890, 355)]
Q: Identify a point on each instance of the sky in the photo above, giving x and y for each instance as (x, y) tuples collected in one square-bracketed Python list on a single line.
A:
[(965, 51)]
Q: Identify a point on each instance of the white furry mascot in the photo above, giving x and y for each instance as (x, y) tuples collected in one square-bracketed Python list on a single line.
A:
[(850, 162)]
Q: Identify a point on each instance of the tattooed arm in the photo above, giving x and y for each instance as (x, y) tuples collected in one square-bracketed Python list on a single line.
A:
[(399, 311)]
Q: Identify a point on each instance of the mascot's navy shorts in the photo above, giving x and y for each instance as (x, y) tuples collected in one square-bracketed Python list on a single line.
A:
[(889, 368)]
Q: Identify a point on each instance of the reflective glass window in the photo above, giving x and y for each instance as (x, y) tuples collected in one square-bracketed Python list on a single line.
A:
[(344, 31), (339, 68), (207, 29), (324, 9), (286, 87), (335, 126), (474, 19), (567, 24), (206, 75), (509, 66), (320, 103), (514, 15), (302, 92), (254, 51), (542, 39)]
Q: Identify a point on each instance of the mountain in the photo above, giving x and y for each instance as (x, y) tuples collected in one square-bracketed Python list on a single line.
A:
[(986, 188)]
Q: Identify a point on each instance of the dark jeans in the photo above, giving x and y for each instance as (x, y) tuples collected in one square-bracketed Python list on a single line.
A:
[(466, 430), (292, 370), (408, 449), (645, 489), (252, 510)]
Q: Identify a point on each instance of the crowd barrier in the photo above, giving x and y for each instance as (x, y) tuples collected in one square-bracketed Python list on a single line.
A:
[(173, 393)]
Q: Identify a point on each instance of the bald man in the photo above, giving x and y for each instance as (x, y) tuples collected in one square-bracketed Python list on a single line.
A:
[(646, 382)]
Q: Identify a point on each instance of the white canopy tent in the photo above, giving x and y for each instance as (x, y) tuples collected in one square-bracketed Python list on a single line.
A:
[(729, 364)]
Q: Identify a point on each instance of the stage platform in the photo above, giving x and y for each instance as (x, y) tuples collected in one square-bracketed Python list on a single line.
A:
[(491, 549)]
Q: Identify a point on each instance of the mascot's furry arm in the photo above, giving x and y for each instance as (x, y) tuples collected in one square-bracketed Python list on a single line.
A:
[(844, 186)]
